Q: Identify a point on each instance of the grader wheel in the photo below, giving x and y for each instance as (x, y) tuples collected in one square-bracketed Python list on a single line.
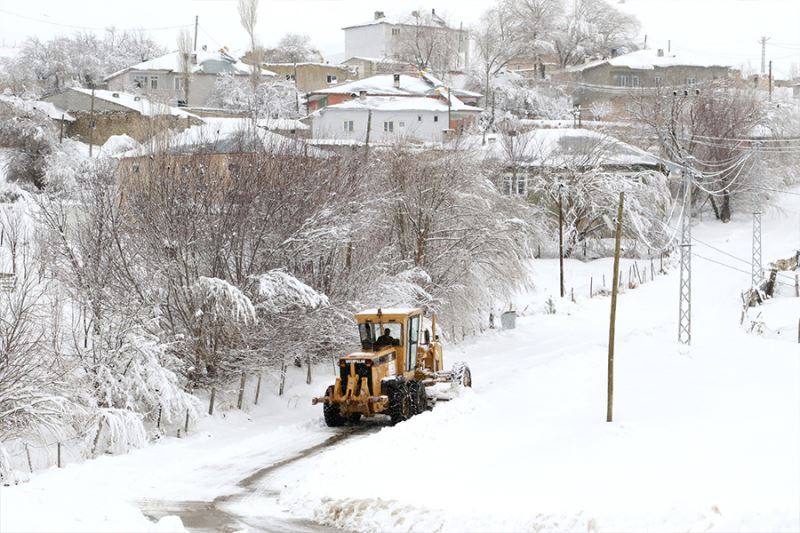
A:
[(400, 408), (419, 397), (333, 418)]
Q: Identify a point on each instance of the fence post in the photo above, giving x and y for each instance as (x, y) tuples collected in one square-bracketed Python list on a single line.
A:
[(258, 389), (211, 402), (283, 378), (798, 340), (28, 454), (797, 285), (652, 274), (186, 425), (158, 422), (179, 432), (58, 455), (591, 291), (240, 401)]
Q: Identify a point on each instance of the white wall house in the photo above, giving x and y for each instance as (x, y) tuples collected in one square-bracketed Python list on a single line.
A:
[(378, 38), (393, 118), (162, 78)]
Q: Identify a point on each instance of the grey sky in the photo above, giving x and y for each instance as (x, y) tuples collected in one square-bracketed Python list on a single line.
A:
[(728, 29)]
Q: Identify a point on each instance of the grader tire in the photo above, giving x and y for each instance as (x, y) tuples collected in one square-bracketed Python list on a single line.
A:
[(355, 418), (419, 397), (400, 408), (333, 418), (461, 374)]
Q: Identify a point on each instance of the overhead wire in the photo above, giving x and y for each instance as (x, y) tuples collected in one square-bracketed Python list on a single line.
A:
[(91, 28)]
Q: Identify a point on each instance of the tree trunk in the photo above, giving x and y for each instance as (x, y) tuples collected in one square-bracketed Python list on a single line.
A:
[(725, 210)]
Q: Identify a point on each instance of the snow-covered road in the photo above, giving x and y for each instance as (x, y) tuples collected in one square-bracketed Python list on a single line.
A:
[(704, 438)]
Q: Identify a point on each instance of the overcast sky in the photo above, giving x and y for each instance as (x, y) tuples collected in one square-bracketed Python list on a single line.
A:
[(728, 29)]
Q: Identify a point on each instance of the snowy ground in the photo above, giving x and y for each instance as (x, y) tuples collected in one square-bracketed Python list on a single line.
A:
[(704, 438)]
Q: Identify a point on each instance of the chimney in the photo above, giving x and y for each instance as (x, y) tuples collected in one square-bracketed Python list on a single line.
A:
[(397, 81), (379, 15), (362, 95), (660, 52)]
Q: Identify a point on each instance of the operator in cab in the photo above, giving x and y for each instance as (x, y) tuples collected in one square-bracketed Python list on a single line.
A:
[(386, 339)]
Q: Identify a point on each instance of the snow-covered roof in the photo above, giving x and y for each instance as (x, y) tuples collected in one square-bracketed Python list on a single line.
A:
[(135, 102), (401, 103), (207, 62), (390, 311), (46, 108), (424, 84), (230, 135), (8, 52), (650, 59), (404, 20), (283, 124), (566, 147)]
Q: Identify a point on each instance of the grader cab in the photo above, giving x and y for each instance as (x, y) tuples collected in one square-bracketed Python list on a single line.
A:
[(398, 359)]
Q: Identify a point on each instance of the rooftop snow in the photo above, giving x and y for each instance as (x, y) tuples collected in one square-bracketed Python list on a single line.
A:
[(219, 62), (568, 146), (37, 105), (383, 85), (649, 59), (134, 102), (402, 103)]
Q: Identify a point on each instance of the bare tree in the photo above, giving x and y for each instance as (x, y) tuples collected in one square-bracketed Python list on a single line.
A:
[(496, 43), (428, 43), (186, 55)]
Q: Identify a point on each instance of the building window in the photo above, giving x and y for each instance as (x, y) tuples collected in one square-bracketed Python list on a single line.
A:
[(395, 31), (154, 82), (140, 82), (178, 84), (657, 80), (388, 127), (348, 125), (331, 78), (290, 77), (436, 118), (621, 80), (419, 118), (634, 81), (691, 81), (522, 184)]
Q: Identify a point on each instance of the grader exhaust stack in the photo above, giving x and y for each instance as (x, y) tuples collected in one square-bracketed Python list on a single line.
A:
[(390, 374)]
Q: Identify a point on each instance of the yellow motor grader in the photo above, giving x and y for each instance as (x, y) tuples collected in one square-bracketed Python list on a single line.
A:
[(389, 375)]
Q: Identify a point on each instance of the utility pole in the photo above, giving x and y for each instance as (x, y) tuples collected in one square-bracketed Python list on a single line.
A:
[(612, 323), (91, 123), (196, 23), (770, 80), (763, 42), (561, 241), (755, 277), (685, 306)]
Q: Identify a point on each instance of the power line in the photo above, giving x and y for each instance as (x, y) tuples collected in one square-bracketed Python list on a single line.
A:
[(90, 28)]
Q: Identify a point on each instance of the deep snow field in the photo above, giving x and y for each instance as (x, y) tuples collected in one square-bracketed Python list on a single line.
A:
[(704, 438)]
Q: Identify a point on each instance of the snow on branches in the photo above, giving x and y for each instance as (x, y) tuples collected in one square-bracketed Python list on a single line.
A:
[(279, 292), (220, 301)]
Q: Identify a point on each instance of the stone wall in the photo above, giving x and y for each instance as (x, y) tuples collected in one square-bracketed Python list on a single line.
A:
[(122, 123)]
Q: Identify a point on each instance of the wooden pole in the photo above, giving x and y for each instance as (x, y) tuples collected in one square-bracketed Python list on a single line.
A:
[(91, 123), (58, 455), (591, 291), (240, 401), (61, 131), (561, 241), (211, 401), (158, 422), (797, 285), (28, 454), (652, 275), (283, 378), (258, 389), (186, 423), (612, 323)]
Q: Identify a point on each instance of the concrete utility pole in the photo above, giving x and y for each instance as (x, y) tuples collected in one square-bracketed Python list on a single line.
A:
[(561, 241), (763, 42), (770, 80), (196, 23), (613, 321), (685, 306)]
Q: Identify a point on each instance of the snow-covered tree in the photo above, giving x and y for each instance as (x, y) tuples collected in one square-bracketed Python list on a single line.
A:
[(272, 99), (293, 48)]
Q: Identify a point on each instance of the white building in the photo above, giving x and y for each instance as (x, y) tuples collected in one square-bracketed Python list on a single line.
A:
[(162, 78), (378, 38), (390, 119)]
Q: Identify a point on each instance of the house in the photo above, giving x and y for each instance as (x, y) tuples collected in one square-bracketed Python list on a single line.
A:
[(163, 78), (388, 119), (402, 85), (527, 154), (366, 67), (382, 37), (100, 114), (652, 68), (311, 76)]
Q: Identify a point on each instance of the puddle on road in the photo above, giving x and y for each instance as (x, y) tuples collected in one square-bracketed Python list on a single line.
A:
[(205, 516)]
